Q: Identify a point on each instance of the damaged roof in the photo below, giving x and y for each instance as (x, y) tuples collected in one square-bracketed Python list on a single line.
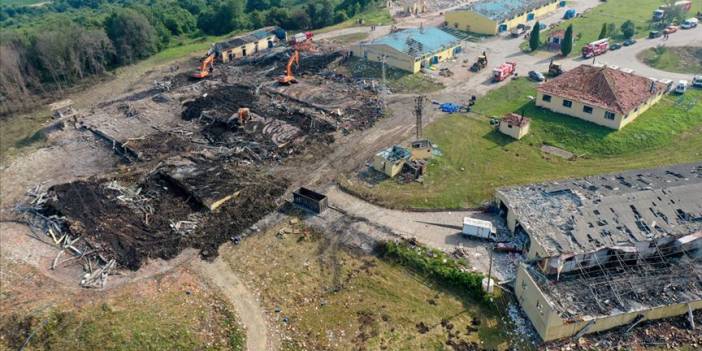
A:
[(418, 42), (604, 87), (583, 215), (515, 120), (500, 10)]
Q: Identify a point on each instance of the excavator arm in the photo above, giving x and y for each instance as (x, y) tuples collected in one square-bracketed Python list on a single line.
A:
[(288, 77), (205, 67)]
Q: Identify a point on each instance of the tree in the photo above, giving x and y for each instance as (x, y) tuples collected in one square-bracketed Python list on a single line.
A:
[(567, 43), (603, 32), (612, 30), (672, 12), (224, 19), (628, 29), (132, 36), (535, 37)]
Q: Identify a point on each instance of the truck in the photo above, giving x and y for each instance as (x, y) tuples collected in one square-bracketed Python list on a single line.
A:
[(596, 48), (478, 228), (683, 5), (503, 71)]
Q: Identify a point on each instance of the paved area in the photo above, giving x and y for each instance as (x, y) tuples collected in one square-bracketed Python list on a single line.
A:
[(441, 230)]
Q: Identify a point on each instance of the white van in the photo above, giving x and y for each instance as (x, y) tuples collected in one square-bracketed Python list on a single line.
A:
[(690, 23), (681, 87)]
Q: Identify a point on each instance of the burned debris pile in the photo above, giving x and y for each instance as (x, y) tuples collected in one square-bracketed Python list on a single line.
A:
[(194, 204)]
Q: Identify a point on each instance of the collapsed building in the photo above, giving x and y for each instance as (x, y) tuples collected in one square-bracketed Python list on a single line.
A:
[(610, 250)]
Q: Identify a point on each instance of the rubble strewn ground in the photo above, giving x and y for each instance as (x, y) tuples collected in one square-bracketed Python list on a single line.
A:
[(197, 172), (665, 334)]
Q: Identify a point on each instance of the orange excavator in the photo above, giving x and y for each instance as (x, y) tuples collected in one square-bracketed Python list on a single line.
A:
[(205, 68), (288, 78)]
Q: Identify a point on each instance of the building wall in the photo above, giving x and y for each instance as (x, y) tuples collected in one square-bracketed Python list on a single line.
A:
[(536, 250), (551, 326), (250, 48), (470, 21), (474, 22), (538, 13), (598, 114), (398, 59), (514, 131)]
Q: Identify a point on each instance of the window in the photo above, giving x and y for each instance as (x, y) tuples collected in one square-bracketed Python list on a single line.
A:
[(609, 115), (587, 109), (567, 103), (509, 126), (546, 98)]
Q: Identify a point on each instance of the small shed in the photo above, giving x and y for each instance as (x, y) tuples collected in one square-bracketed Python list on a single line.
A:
[(421, 149), (391, 160), (555, 39), (310, 200), (514, 125)]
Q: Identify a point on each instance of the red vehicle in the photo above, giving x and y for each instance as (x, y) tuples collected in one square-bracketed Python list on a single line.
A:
[(670, 29), (596, 48), (505, 70)]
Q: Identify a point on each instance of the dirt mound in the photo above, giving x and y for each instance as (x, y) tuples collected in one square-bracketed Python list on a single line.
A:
[(155, 218), (220, 103)]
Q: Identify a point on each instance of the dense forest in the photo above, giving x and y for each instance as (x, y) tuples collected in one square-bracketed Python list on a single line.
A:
[(45, 49)]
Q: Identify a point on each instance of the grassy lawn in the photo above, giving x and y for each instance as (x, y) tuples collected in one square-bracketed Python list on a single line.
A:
[(172, 312), (477, 159), (335, 299), (379, 16), (682, 59), (397, 80), (587, 26)]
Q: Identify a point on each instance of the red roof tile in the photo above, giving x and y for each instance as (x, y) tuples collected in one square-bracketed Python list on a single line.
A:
[(604, 87), (515, 120)]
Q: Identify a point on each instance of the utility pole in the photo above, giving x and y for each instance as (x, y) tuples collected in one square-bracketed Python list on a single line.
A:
[(382, 64), (418, 111), (489, 277)]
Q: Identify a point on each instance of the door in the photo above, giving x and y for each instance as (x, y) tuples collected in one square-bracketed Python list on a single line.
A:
[(503, 27)]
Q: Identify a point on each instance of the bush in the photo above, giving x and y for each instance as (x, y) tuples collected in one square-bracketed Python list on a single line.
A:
[(436, 265)]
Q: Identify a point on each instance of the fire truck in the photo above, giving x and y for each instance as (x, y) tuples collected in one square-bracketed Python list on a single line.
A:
[(503, 71), (596, 48)]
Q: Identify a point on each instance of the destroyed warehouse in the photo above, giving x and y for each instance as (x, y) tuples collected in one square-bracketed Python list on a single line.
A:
[(609, 250)]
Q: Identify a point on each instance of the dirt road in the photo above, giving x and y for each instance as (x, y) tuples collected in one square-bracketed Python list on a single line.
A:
[(250, 313)]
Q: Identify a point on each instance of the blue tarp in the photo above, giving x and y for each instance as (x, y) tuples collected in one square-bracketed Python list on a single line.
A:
[(450, 107)]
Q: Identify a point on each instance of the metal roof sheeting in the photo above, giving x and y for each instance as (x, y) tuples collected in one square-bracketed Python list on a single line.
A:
[(500, 10), (417, 41)]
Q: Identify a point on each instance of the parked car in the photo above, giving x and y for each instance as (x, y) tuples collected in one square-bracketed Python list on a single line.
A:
[(570, 13), (670, 29), (537, 76), (690, 23), (615, 46), (697, 81), (629, 42), (654, 34), (681, 87)]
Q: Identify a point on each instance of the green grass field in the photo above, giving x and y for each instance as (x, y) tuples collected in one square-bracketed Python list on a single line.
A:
[(477, 159), (379, 16), (587, 26), (335, 299), (685, 59)]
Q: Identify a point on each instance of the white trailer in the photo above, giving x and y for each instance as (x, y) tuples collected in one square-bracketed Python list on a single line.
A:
[(478, 228)]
